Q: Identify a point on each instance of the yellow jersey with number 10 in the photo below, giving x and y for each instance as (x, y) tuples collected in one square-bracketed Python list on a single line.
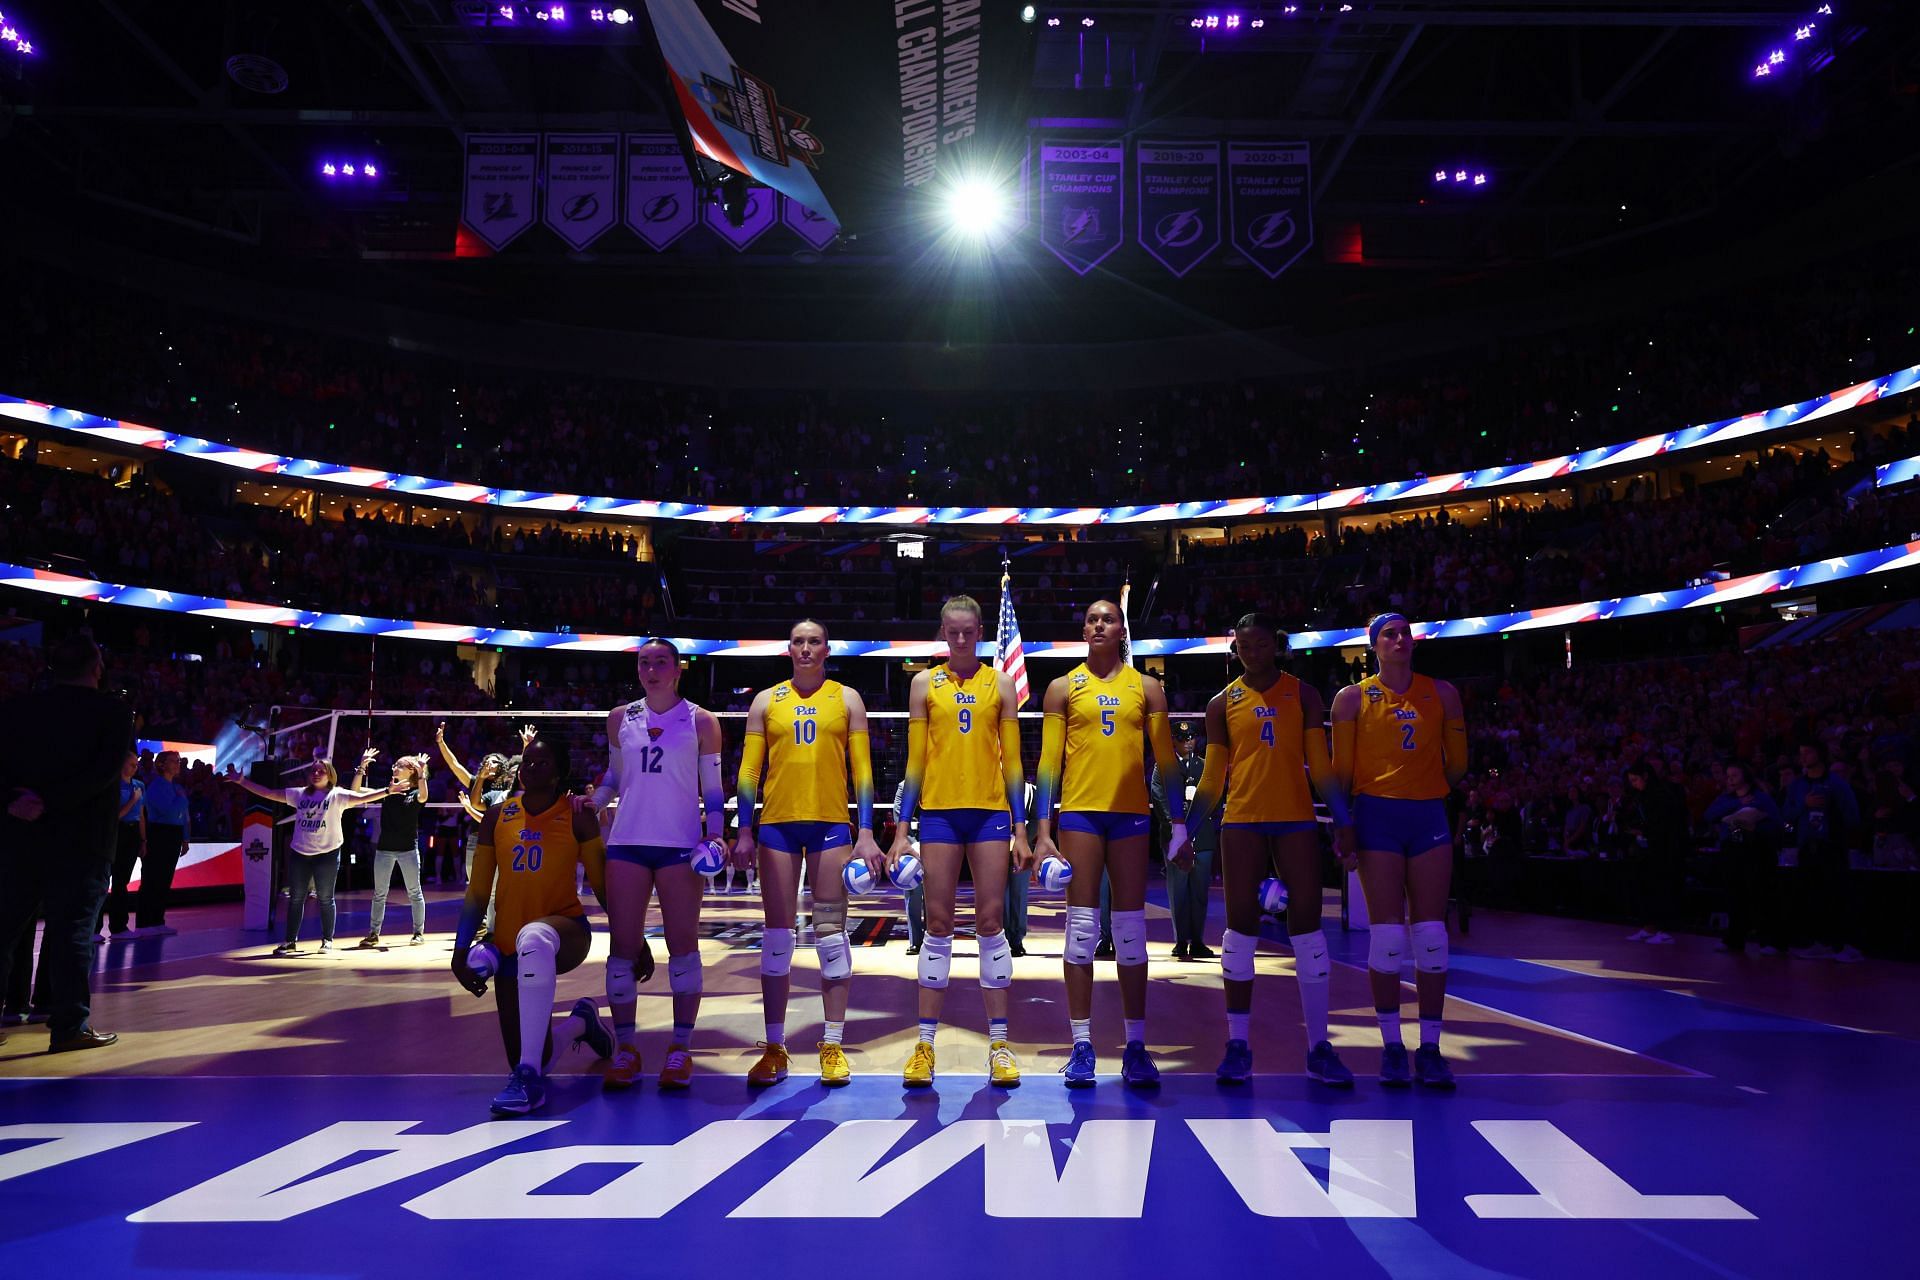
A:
[(1106, 760), (963, 742), (1266, 765), (1396, 742), (806, 778)]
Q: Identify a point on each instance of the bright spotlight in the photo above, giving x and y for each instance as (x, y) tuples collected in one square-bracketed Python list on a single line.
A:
[(976, 208), (1026, 13)]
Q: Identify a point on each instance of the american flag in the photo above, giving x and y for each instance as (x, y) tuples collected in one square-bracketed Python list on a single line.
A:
[(1008, 656)]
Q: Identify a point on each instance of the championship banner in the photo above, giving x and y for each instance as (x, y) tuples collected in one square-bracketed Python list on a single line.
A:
[(1082, 202), (661, 203), (860, 113), (502, 174), (256, 872), (762, 212), (583, 186), (1178, 202), (808, 225), (1270, 195)]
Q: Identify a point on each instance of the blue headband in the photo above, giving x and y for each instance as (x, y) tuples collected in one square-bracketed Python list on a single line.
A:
[(1380, 620)]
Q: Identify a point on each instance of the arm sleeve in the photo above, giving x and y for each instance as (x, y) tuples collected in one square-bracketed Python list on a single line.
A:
[(1011, 770), (1053, 750), (473, 908), (1166, 763), (593, 855), (1213, 780), (1326, 779), (610, 783), (713, 795), (1346, 739), (1453, 750), (753, 757), (909, 796), (860, 758)]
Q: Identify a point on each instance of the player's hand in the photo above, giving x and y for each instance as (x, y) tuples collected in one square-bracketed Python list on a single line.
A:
[(1044, 848), (902, 844), (743, 849), (868, 852), (527, 734), (1344, 848), (643, 963), (1024, 858), (464, 975), (1182, 856)]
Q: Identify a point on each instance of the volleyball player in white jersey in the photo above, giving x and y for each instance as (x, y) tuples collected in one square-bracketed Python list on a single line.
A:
[(664, 763)]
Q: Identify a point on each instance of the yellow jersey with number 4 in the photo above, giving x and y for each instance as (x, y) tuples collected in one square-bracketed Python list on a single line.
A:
[(1266, 763)]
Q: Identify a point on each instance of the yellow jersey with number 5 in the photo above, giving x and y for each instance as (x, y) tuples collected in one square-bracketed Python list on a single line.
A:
[(963, 742), (806, 755), (1266, 763), (1396, 742), (1106, 762)]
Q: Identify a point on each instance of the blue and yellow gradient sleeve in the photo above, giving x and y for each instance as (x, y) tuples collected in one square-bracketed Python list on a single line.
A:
[(1053, 750), (916, 771), (593, 856), (1453, 750), (860, 756), (1166, 763), (1213, 782), (1346, 743), (473, 909), (753, 758), (1016, 777), (1325, 780), (713, 793)]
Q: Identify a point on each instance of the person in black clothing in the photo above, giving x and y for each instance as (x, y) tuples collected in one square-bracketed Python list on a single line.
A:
[(398, 843), (60, 784), (1188, 888), (1654, 822), (1749, 825)]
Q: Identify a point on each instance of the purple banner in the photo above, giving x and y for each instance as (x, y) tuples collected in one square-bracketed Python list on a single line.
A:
[(1082, 202), (661, 206), (583, 186), (763, 210), (1178, 202), (502, 171), (817, 231), (1270, 195)]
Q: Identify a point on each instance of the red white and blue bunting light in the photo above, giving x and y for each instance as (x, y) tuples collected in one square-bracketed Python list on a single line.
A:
[(1798, 577), (1744, 428)]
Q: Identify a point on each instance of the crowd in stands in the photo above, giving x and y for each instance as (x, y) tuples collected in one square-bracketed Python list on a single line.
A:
[(353, 401)]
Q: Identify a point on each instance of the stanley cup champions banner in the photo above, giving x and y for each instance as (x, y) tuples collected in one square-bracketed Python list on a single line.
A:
[(1270, 195), (1177, 202), (1082, 201), (583, 186), (502, 184), (860, 113), (662, 205)]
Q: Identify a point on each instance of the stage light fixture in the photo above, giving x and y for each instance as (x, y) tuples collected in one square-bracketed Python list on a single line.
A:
[(976, 207), (1026, 13)]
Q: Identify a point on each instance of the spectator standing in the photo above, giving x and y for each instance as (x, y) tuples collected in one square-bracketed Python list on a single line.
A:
[(1749, 828), (169, 824), (128, 845), (1823, 816)]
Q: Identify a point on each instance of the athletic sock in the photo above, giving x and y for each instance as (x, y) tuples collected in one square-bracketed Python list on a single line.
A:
[(1429, 1032), (997, 1029), (1082, 1030), (927, 1027), (683, 1034), (833, 1032), (776, 1033), (1136, 1029), (1389, 1025), (623, 1033), (1239, 1024), (1313, 1007)]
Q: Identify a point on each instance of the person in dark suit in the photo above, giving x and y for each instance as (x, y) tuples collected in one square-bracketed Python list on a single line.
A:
[(59, 778)]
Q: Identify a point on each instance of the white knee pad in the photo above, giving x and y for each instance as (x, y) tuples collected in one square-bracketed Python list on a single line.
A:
[(1130, 937), (836, 957), (683, 974), (1236, 955), (620, 985), (1083, 934), (1430, 946), (936, 961), (776, 952), (1386, 947), (1310, 963), (996, 962), (539, 948)]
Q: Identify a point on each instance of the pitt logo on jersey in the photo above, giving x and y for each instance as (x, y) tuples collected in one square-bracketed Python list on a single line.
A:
[(806, 711), (1105, 700), (1403, 713), (1263, 713), (965, 700)]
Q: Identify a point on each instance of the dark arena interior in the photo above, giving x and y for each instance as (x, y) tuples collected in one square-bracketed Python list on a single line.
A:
[(1188, 639)]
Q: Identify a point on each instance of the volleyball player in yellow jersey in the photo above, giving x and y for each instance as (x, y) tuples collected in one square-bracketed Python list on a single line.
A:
[(963, 771), (1100, 717), (536, 839), (1266, 738), (810, 735), (1399, 748)]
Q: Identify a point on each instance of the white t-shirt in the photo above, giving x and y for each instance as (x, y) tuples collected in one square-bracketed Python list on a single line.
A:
[(316, 819)]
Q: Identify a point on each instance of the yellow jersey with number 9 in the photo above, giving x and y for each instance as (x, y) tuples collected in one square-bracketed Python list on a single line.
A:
[(963, 742), (534, 855), (1266, 764), (1106, 762), (806, 755), (1396, 742)]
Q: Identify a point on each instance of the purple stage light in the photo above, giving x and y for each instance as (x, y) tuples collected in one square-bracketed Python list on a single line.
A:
[(620, 17), (1086, 22), (1233, 22), (329, 170), (1257, 23), (1213, 20), (1053, 22), (367, 170), (1460, 176), (506, 11), (1479, 179), (1197, 23), (1439, 175)]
